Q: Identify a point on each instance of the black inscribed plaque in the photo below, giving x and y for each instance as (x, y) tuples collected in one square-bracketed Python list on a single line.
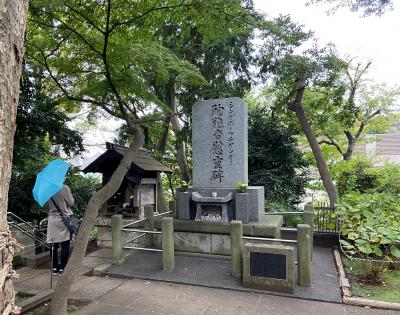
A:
[(268, 265)]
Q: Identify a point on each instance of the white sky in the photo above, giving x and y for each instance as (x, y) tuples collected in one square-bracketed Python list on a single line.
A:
[(366, 38)]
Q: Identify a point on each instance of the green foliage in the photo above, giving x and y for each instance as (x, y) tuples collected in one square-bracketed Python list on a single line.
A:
[(368, 7), (241, 187), (184, 186), (42, 133), (357, 174), (283, 59), (40, 119), (388, 179), (129, 52), (371, 225), (275, 160), (223, 56), (82, 188), (360, 175)]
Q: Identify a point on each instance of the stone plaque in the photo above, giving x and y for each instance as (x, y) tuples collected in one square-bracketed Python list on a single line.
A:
[(267, 265), (219, 142)]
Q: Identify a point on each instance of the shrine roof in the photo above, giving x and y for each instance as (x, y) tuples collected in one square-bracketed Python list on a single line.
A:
[(114, 153)]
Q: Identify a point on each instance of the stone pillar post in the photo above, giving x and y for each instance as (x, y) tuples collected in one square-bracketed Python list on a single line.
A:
[(236, 248), (149, 225), (304, 254), (168, 248), (116, 233), (308, 218)]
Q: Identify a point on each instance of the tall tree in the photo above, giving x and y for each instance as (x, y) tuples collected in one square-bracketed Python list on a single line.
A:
[(294, 69), (105, 54), (349, 108), (223, 59), (12, 33)]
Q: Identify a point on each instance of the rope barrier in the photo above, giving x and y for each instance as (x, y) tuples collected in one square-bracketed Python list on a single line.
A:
[(7, 246), (186, 242)]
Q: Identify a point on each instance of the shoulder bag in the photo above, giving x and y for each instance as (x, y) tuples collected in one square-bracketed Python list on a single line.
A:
[(70, 221)]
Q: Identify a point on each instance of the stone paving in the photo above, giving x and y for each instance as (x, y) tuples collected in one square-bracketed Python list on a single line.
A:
[(150, 297), (217, 274), (134, 296)]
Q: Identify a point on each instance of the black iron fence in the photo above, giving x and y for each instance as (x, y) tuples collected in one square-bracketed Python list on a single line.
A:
[(325, 219)]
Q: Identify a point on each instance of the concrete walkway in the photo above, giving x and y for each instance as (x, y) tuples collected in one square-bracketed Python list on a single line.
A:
[(216, 273), (36, 280), (133, 296), (151, 297)]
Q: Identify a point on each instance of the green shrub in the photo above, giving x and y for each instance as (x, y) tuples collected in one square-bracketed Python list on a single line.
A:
[(275, 160), (371, 225), (357, 174)]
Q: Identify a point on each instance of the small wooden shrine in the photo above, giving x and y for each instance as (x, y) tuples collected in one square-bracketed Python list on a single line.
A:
[(139, 186)]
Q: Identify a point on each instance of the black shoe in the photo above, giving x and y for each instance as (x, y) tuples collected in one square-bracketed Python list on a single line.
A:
[(60, 272), (55, 271)]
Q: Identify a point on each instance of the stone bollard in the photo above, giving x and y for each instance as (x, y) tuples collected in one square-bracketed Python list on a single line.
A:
[(171, 207), (149, 225), (308, 218), (304, 254), (236, 248), (116, 233), (168, 247)]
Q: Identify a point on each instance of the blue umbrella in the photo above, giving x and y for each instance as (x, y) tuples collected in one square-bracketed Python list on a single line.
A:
[(49, 181)]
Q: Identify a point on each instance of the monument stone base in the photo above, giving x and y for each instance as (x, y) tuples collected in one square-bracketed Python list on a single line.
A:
[(247, 207), (214, 237)]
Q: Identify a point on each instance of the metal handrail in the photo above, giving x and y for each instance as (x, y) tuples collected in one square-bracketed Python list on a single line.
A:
[(134, 222), (288, 229), (144, 219), (141, 231), (143, 248), (163, 213), (22, 221), (269, 239), (31, 235), (287, 212)]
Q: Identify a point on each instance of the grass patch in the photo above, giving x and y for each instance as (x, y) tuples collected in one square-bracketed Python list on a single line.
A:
[(389, 291)]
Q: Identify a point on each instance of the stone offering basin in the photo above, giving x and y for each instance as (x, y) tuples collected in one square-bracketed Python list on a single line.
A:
[(199, 198)]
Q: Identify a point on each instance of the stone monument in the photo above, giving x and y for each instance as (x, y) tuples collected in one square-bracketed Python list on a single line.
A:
[(219, 143)]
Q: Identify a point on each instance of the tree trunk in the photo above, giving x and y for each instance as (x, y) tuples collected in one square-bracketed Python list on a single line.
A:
[(12, 33), (162, 142), (312, 140), (350, 149), (161, 147), (60, 297), (176, 127), (352, 140)]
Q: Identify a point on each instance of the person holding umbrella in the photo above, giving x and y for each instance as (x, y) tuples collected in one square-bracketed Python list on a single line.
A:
[(49, 188), (57, 232)]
